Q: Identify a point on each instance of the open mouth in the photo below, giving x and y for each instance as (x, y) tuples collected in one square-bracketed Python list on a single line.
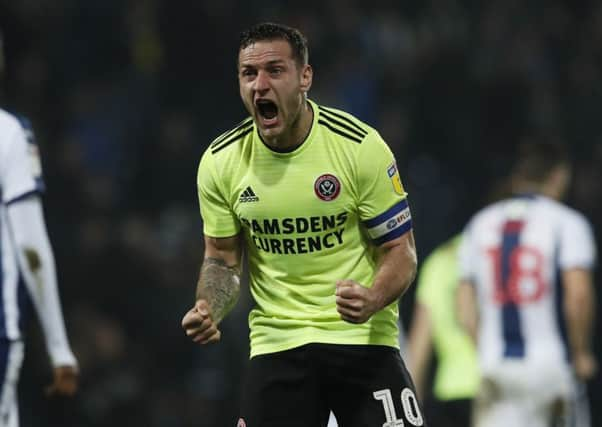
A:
[(267, 109)]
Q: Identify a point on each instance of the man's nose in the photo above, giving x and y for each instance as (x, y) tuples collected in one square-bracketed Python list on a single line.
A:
[(262, 81)]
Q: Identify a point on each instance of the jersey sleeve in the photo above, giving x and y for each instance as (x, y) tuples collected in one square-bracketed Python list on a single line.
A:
[(577, 246), (21, 167), (382, 203), (218, 218)]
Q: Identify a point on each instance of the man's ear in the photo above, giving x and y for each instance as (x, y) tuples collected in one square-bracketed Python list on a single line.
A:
[(307, 75)]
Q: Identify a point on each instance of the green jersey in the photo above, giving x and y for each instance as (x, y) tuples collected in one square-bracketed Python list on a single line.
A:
[(457, 373), (309, 217)]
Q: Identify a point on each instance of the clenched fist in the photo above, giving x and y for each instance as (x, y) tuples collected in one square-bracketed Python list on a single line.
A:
[(64, 382), (199, 324), (355, 303)]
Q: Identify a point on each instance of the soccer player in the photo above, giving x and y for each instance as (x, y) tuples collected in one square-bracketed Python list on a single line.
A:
[(526, 263), (27, 270), (434, 329), (313, 196)]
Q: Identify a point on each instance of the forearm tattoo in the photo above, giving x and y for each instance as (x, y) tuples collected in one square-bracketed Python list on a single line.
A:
[(219, 285)]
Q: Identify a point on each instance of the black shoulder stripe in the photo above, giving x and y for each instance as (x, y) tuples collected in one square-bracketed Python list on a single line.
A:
[(338, 131), (242, 126), (342, 117), (231, 140), (338, 123), (238, 127)]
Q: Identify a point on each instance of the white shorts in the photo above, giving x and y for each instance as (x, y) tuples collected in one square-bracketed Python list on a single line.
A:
[(519, 395), (332, 421), (11, 358)]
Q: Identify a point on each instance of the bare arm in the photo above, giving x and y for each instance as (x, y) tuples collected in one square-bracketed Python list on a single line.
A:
[(219, 281), (420, 346), (466, 305), (217, 289), (579, 310), (396, 271)]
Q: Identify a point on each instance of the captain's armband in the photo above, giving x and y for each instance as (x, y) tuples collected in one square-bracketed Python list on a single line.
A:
[(391, 224)]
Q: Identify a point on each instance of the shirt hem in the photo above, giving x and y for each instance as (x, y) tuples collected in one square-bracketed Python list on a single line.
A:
[(259, 349)]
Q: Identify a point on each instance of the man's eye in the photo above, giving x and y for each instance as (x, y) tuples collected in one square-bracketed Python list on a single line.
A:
[(248, 73), (276, 70)]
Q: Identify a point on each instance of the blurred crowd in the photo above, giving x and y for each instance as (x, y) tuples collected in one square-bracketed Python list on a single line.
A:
[(125, 95)]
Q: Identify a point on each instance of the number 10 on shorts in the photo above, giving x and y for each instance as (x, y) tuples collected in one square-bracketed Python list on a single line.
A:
[(408, 403)]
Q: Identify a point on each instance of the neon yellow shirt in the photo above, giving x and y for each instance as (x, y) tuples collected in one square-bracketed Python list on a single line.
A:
[(309, 217), (457, 369)]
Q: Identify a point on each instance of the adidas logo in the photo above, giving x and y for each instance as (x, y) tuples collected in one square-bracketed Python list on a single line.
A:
[(248, 196)]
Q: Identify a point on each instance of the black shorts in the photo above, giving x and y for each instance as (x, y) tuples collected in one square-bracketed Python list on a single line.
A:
[(364, 385)]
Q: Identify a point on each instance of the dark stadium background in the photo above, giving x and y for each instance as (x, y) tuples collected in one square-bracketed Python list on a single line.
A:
[(125, 95)]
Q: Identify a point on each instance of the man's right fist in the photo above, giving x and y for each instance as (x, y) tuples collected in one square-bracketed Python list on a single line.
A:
[(199, 325)]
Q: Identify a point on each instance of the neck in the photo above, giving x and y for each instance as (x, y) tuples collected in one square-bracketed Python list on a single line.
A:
[(544, 189), (525, 188), (296, 134)]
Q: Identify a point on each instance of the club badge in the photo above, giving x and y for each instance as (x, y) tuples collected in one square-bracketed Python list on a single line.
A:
[(327, 187)]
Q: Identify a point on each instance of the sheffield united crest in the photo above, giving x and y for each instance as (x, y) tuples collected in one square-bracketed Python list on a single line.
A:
[(327, 187)]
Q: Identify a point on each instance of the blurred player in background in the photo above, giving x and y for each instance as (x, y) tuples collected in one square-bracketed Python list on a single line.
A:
[(527, 296), (27, 271), (434, 329), (313, 196)]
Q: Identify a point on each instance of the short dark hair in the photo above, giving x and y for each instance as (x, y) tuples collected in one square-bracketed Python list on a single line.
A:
[(272, 31), (537, 158)]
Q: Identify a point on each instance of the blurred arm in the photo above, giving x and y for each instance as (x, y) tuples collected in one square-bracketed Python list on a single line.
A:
[(467, 311), (36, 260), (420, 346), (579, 310)]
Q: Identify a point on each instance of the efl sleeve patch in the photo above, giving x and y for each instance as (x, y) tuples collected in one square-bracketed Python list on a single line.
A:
[(395, 179), (391, 224)]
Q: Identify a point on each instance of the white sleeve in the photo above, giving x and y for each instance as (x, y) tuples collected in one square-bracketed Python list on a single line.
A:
[(21, 167), (466, 256), (577, 248), (28, 229)]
